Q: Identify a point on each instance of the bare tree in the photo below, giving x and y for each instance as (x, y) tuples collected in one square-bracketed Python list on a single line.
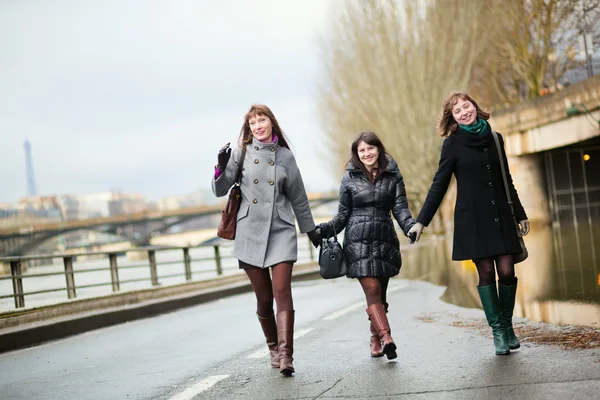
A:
[(388, 66), (535, 42)]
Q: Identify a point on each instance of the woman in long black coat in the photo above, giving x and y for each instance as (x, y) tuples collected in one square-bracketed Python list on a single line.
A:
[(484, 227), (372, 188)]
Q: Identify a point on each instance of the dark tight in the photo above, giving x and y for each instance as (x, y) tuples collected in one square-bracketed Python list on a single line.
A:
[(265, 288), (375, 290), (505, 265)]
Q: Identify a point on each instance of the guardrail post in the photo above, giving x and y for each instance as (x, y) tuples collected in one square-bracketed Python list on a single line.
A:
[(114, 272), (310, 250), (17, 279), (153, 274), (68, 261), (187, 262), (218, 260)]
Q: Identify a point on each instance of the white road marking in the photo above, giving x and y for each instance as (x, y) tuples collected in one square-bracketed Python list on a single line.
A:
[(199, 387), (396, 288), (344, 311), (265, 351), (354, 306)]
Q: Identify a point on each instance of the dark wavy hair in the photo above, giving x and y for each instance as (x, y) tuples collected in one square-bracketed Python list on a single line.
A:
[(372, 139), (446, 123), (262, 110)]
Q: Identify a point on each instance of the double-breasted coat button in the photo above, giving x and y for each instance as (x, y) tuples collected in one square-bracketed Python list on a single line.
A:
[(255, 201), (255, 147), (272, 149), (496, 219), (490, 184), (493, 202), (256, 161), (485, 149), (256, 181), (271, 183), (488, 166), (271, 163)]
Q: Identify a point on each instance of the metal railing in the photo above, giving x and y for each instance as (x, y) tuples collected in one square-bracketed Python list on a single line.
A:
[(17, 275)]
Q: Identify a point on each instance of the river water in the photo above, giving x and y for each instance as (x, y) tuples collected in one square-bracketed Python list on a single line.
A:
[(134, 274), (558, 283)]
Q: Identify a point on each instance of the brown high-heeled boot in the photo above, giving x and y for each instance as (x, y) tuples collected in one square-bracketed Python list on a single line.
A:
[(380, 322), (285, 335), (376, 349), (269, 327)]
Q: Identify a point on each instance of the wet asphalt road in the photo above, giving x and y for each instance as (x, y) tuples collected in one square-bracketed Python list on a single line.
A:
[(216, 351)]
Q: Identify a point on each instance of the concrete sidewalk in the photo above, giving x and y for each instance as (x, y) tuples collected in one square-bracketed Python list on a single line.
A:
[(444, 352), (28, 327)]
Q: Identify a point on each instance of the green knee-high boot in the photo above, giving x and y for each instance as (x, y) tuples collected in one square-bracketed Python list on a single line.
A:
[(491, 307), (507, 295)]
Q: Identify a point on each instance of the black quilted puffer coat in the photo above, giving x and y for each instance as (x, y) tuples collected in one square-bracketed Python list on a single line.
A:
[(371, 246)]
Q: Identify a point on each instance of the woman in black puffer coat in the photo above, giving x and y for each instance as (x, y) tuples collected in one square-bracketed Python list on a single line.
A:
[(372, 189)]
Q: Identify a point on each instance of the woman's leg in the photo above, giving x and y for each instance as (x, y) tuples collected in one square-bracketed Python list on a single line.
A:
[(485, 269), (282, 286), (491, 305), (507, 293), (261, 283), (372, 288), (506, 269), (384, 285), (282, 290), (375, 343)]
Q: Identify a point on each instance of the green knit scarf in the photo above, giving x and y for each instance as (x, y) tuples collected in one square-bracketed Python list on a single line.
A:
[(478, 128)]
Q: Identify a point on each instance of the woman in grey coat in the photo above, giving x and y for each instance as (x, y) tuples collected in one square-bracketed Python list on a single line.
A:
[(372, 189), (272, 188)]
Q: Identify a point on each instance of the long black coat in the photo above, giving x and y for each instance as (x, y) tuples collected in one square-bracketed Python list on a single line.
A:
[(483, 222), (371, 246)]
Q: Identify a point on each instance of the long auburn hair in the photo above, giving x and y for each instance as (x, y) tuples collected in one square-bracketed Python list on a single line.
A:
[(262, 110), (372, 139), (446, 123)]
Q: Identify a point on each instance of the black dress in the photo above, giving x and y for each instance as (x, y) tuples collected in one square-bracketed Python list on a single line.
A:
[(483, 222), (371, 246)]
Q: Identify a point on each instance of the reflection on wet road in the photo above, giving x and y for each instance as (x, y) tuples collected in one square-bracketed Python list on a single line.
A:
[(557, 283)]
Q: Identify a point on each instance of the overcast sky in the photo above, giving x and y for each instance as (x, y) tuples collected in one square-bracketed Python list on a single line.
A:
[(139, 95)]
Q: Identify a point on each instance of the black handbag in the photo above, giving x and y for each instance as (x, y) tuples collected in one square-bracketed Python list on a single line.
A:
[(522, 256), (331, 257)]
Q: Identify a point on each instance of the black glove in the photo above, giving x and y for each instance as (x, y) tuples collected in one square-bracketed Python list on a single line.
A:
[(223, 157), (314, 237), (322, 230)]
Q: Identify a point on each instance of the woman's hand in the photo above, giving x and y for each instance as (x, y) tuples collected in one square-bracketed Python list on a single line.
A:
[(314, 237), (223, 157), (415, 232), (525, 226)]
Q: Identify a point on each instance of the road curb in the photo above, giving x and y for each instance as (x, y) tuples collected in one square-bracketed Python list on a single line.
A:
[(30, 334)]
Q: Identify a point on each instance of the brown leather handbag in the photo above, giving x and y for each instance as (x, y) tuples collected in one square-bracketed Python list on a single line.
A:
[(228, 222)]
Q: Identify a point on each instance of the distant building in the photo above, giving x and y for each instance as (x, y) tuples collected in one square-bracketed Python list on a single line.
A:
[(123, 204), (194, 199), (69, 206), (41, 206), (30, 211), (108, 204)]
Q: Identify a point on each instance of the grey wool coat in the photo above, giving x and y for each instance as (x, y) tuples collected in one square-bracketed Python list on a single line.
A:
[(272, 188)]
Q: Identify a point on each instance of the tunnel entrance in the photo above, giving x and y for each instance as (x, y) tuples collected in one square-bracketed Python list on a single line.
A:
[(573, 182)]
